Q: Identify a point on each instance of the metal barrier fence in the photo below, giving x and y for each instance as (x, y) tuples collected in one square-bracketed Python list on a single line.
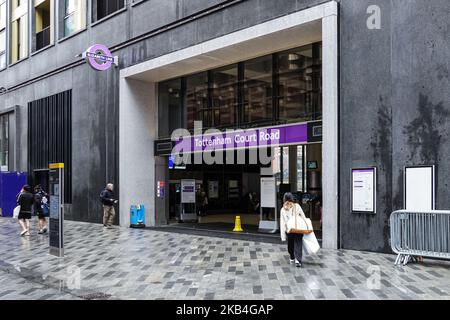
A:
[(420, 234)]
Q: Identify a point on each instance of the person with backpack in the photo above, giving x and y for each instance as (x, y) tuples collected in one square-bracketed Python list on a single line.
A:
[(41, 207), (25, 200), (108, 201)]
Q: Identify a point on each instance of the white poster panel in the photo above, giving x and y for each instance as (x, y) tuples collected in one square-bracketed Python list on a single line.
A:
[(364, 190), (213, 189), (268, 192), (187, 191), (419, 188)]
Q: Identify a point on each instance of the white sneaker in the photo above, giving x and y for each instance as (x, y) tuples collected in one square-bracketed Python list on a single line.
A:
[(291, 261)]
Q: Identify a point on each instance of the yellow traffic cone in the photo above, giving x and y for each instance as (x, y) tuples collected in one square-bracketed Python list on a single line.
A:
[(237, 225)]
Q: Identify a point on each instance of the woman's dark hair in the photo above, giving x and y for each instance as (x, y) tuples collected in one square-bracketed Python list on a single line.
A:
[(288, 197), (27, 188)]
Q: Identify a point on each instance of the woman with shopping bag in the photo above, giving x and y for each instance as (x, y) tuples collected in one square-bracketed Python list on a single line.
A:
[(293, 225)]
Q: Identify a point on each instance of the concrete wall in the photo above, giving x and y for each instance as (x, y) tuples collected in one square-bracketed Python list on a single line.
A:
[(394, 106)]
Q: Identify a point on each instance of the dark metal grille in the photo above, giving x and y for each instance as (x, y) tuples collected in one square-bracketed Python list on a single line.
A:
[(50, 136)]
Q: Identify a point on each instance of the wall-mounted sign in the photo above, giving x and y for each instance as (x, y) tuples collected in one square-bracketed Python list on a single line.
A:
[(242, 139), (312, 165), (99, 57), (419, 187), (268, 192), (364, 186), (160, 189), (187, 191), (213, 189), (56, 220)]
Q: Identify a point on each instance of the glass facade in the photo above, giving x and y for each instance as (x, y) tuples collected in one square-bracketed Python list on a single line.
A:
[(224, 96), (258, 90), (74, 16), (196, 100), (273, 89), (4, 142), (43, 28), (19, 31), (104, 8), (299, 84)]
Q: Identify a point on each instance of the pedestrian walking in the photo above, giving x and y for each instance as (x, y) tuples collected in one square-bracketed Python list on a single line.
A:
[(202, 202), (290, 213), (25, 200), (41, 207), (108, 201)]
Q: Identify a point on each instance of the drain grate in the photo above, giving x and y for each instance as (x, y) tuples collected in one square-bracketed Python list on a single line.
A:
[(95, 296)]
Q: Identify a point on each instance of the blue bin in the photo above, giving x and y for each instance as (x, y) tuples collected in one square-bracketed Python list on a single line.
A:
[(137, 216)]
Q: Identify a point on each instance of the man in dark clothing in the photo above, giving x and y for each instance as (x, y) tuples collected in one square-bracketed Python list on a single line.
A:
[(108, 201), (25, 200)]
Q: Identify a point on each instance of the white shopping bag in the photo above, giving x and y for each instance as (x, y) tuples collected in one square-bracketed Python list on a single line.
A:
[(310, 244), (16, 212)]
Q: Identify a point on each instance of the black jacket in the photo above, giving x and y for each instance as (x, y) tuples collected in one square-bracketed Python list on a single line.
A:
[(25, 200), (107, 197)]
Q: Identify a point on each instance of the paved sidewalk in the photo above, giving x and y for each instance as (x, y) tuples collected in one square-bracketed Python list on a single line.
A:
[(125, 263)]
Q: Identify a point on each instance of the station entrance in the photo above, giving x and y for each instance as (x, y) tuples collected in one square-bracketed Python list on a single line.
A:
[(224, 191)]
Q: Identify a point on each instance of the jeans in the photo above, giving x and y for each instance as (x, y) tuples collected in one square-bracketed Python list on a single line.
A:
[(295, 246)]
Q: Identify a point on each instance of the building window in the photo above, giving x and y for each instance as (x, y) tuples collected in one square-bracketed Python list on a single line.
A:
[(103, 8), (43, 23), (4, 142), (273, 89), (19, 30), (2, 49), (258, 90), (299, 89), (73, 16), (197, 100), (2, 34), (224, 96)]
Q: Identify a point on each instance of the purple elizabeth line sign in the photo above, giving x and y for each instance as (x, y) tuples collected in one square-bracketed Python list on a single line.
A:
[(242, 139), (99, 57)]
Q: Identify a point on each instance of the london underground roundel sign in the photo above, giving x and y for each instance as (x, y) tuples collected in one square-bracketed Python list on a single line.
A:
[(99, 57)]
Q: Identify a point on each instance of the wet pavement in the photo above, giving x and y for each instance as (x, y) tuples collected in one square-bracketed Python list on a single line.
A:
[(123, 263)]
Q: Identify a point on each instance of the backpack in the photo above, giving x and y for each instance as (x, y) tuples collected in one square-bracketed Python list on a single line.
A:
[(45, 209)]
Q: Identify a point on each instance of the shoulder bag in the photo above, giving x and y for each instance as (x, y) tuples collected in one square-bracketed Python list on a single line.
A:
[(302, 226)]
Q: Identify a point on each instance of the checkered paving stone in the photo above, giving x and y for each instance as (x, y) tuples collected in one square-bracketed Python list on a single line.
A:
[(123, 263)]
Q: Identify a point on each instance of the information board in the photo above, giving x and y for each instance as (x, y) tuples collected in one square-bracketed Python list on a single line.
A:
[(188, 191), (268, 193), (419, 187), (364, 190), (213, 189), (56, 219)]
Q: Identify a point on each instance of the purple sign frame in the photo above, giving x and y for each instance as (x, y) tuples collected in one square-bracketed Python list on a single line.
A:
[(243, 139), (102, 53)]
